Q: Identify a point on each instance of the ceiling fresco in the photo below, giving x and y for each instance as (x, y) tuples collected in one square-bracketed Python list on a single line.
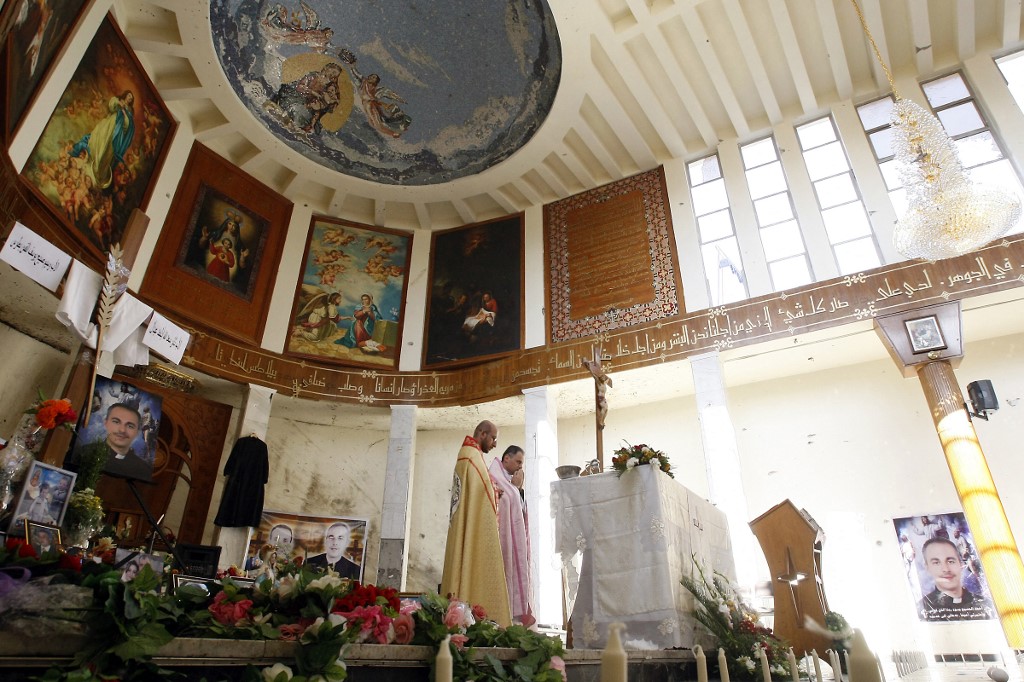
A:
[(401, 93)]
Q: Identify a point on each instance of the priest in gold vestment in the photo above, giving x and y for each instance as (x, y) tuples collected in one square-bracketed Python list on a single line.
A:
[(474, 571)]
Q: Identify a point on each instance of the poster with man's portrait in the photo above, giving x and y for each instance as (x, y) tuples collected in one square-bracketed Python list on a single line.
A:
[(323, 541), (43, 498), (124, 425), (943, 568)]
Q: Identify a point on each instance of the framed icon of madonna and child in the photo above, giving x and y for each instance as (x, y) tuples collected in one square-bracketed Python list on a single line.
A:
[(218, 253), (349, 302)]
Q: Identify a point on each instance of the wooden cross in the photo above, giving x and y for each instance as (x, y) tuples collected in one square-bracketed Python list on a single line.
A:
[(602, 382)]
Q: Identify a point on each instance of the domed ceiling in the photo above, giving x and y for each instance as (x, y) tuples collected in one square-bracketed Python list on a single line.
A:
[(400, 93)]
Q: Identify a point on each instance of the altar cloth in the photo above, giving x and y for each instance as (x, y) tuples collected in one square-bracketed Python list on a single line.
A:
[(625, 543)]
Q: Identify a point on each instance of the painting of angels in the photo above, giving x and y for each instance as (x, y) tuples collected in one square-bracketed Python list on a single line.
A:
[(349, 303), (99, 154)]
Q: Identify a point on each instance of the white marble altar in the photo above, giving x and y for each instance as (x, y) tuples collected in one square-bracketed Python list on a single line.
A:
[(625, 543)]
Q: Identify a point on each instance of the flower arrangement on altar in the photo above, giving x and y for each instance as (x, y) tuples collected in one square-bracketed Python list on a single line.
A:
[(128, 622), (625, 458), (52, 413), (737, 628)]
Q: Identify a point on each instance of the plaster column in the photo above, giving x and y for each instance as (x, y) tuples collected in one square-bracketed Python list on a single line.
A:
[(393, 559), (983, 508), (722, 462), (253, 420), (541, 448)]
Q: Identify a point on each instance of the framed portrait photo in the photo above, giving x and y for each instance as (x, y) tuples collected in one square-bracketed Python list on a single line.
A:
[(102, 148), (207, 586), (349, 303), (39, 32), (123, 425), (475, 305), (924, 334), (43, 537), (131, 562), (218, 252), (43, 498)]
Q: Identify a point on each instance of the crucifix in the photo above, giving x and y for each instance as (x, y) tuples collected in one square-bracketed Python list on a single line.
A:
[(602, 382)]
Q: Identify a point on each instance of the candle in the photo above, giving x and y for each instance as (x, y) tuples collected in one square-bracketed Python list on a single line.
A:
[(794, 668), (765, 670), (846, 657), (613, 658), (443, 663), (817, 665), (702, 664), (837, 670), (723, 665)]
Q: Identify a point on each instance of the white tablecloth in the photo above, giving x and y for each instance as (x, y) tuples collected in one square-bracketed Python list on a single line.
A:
[(624, 544)]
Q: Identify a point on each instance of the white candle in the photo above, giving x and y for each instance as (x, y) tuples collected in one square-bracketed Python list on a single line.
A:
[(765, 670), (837, 670), (794, 667), (613, 658), (817, 665), (723, 665), (702, 664), (443, 663), (846, 657)]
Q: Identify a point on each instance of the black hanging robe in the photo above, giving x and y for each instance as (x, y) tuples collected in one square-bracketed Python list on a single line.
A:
[(247, 470)]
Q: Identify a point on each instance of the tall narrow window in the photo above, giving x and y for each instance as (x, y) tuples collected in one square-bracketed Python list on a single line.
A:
[(874, 117), (784, 248), (980, 153), (842, 209), (723, 267)]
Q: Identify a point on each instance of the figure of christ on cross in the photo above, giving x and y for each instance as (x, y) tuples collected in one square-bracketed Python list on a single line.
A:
[(602, 382)]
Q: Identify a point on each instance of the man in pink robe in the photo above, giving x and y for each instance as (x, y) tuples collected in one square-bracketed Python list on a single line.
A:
[(514, 531)]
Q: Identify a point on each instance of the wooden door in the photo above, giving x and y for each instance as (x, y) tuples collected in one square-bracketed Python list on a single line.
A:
[(190, 443)]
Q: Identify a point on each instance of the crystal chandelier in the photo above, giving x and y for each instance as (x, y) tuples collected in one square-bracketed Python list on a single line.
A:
[(947, 214)]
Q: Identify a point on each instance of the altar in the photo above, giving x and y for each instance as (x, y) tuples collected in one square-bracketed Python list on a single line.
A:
[(625, 543)]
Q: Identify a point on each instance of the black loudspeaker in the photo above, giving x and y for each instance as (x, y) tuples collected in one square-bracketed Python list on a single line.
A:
[(982, 396)]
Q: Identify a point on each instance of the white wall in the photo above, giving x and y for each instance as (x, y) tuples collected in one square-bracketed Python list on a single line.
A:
[(38, 367), (856, 447)]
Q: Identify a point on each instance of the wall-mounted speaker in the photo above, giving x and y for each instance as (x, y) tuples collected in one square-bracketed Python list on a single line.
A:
[(982, 396)]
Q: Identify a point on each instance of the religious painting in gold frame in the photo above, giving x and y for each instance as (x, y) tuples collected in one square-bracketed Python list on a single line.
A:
[(194, 272), (475, 304), (101, 151), (350, 299)]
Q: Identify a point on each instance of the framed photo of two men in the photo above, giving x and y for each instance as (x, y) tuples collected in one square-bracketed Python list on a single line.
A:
[(218, 253), (475, 305)]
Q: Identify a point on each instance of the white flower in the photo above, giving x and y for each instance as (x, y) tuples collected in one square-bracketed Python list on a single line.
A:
[(748, 662), (632, 462), (270, 674), (286, 587), (324, 582), (336, 619)]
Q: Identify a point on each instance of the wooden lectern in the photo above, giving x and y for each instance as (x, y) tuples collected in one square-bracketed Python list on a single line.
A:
[(791, 542)]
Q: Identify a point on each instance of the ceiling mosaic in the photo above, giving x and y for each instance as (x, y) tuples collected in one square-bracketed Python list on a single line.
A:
[(401, 93)]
